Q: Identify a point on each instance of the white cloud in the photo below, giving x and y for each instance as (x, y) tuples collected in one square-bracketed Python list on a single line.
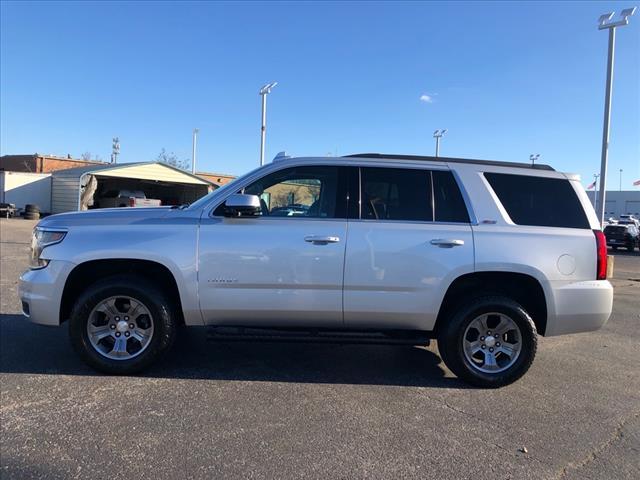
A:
[(426, 98)]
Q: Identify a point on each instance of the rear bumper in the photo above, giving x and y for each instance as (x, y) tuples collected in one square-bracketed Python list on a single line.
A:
[(578, 307), (40, 292)]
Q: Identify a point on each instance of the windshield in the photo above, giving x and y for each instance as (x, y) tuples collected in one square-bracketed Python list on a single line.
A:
[(229, 186)]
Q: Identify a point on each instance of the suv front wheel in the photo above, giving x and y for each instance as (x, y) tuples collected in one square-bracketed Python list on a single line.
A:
[(489, 342), (122, 324)]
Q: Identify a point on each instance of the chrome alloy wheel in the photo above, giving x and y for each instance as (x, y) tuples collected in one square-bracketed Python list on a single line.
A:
[(492, 342), (120, 328)]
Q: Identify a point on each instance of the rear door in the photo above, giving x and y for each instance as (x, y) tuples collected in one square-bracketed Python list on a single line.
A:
[(412, 238)]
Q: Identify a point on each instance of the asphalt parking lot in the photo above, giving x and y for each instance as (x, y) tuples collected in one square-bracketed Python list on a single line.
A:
[(316, 411)]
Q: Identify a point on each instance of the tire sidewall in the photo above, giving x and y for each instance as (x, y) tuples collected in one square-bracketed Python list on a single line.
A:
[(139, 289), (452, 340)]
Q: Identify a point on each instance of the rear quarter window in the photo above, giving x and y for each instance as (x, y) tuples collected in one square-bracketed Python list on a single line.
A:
[(537, 201)]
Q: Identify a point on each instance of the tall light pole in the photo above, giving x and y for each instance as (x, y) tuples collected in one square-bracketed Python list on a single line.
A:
[(115, 149), (605, 23), (533, 158), (193, 150), (595, 192), (264, 91), (620, 180), (438, 135)]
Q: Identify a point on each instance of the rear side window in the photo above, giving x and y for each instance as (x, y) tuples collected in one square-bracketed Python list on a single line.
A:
[(545, 202), (449, 205), (396, 194)]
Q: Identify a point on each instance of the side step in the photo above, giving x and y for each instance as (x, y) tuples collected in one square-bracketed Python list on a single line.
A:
[(257, 334)]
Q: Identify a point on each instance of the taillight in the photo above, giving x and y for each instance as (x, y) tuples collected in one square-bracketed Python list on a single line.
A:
[(132, 202), (601, 262)]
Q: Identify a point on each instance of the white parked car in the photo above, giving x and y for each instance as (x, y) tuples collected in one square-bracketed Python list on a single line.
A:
[(482, 256), (628, 220)]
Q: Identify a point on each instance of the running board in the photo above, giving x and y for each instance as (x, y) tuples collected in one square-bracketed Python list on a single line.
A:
[(256, 334)]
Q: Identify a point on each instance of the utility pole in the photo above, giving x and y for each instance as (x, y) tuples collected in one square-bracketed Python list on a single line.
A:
[(438, 134), (604, 24), (264, 91), (193, 150), (595, 192), (115, 149)]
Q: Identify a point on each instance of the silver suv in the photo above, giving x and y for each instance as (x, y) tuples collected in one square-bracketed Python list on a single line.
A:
[(386, 249)]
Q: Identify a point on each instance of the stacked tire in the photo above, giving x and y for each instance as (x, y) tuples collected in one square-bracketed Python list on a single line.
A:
[(31, 212)]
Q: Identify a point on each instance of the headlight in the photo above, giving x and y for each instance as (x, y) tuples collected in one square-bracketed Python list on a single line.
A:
[(42, 238)]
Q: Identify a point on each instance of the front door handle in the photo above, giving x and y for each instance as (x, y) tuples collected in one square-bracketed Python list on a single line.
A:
[(320, 239), (446, 242)]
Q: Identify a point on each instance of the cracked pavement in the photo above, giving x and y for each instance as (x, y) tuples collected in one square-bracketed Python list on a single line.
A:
[(316, 411)]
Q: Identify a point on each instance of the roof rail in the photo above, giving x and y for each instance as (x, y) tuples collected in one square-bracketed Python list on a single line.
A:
[(385, 156)]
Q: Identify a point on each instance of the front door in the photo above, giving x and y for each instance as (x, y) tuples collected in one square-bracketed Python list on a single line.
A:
[(285, 267)]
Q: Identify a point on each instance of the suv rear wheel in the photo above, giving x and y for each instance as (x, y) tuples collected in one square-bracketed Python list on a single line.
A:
[(122, 324), (489, 342)]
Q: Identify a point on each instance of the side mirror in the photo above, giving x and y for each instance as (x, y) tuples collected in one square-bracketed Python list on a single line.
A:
[(240, 205)]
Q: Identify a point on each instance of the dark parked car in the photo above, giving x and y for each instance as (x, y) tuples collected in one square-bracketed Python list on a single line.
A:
[(7, 210), (626, 236)]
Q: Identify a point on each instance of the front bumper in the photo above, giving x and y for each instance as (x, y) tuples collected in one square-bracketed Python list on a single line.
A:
[(579, 306), (40, 292)]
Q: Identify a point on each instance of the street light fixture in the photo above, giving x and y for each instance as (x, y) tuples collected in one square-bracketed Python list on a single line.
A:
[(533, 158), (264, 91), (603, 24), (438, 134)]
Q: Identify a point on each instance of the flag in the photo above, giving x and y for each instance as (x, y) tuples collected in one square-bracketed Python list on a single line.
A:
[(591, 186), (636, 183)]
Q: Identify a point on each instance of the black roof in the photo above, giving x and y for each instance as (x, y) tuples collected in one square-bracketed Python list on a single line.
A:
[(385, 156)]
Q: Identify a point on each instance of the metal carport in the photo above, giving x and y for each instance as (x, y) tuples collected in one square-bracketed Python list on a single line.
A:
[(156, 179)]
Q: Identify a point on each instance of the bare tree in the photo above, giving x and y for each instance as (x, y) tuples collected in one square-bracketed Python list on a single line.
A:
[(86, 156), (172, 159)]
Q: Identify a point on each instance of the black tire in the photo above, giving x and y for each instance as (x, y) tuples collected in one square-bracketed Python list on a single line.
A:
[(31, 216), (31, 208), (450, 341), (163, 316)]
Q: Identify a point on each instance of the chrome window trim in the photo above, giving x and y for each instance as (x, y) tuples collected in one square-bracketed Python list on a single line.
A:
[(416, 222), (284, 164)]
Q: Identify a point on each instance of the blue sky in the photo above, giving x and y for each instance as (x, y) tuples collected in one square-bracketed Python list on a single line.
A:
[(506, 80)]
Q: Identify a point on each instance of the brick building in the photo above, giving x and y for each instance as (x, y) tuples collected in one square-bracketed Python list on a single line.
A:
[(36, 163)]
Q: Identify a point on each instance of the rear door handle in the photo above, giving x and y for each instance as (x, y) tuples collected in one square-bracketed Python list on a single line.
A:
[(447, 242), (320, 239)]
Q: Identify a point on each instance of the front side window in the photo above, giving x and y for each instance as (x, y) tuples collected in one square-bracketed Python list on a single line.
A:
[(396, 194), (301, 192)]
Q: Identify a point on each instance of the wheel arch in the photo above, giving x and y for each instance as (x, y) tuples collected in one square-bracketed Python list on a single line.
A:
[(522, 288), (87, 273)]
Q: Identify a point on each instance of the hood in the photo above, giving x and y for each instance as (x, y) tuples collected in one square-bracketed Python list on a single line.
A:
[(107, 216)]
